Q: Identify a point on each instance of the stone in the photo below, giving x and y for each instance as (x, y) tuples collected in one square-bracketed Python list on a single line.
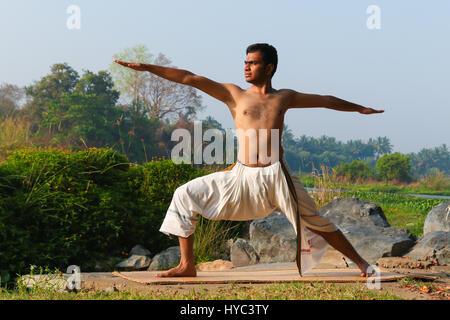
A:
[(353, 211), (403, 263), (438, 219), (215, 265), (140, 251), (433, 245), (166, 259), (372, 242), (242, 253), (274, 239), (135, 262)]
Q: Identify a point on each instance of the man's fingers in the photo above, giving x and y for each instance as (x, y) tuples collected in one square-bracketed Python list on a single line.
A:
[(126, 64)]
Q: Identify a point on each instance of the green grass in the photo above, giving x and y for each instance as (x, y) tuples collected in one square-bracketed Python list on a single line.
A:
[(287, 291), (309, 181), (401, 211)]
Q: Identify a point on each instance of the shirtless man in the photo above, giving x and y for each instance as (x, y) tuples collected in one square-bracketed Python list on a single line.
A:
[(258, 107)]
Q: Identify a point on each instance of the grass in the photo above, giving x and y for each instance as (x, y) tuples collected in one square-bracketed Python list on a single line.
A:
[(210, 240), (286, 291), (14, 134), (401, 211), (436, 183)]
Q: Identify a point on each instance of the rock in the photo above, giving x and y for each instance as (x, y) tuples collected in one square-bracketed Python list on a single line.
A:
[(438, 219), (166, 259), (433, 245), (353, 211), (135, 262), (373, 242), (215, 265), (273, 239), (110, 289), (55, 282), (403, 263), (242, 253), (140, 251)]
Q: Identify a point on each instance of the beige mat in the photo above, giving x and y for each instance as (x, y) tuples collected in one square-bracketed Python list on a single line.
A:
[(257, 276)]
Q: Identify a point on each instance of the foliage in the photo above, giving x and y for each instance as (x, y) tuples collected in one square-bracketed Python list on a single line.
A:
[(436, 180), (59, 208), (14, 134), (160, 98), (355, 170), (430, 159), (394, 167)]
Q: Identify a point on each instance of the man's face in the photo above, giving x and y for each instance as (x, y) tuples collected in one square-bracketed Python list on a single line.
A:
[(254, 70)]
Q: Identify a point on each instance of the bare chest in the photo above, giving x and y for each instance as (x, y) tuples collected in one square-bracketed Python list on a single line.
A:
[(262, 113)]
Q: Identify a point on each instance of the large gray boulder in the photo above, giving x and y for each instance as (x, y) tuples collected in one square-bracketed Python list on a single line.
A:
[(363, 223), (433, 245), (438, 219), (166, 259), (373, 242), (366, 227), (242, 253), (353, 211), (274, 239)]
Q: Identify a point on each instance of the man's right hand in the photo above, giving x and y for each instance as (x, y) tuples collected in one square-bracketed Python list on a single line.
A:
[(133, 65)]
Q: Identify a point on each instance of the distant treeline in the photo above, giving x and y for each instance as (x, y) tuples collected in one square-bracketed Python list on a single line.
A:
[(308, 153)]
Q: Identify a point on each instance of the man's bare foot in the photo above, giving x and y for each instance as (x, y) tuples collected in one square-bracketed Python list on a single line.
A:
[(364, 272), (182, 270)]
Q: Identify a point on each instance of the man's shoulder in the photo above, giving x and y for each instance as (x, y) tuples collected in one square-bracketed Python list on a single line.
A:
[(232, 86)]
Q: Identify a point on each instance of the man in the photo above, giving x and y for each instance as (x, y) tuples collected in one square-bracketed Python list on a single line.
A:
[(257, 183)]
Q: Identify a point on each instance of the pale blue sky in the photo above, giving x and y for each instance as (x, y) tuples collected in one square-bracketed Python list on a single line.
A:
[(324, 47)]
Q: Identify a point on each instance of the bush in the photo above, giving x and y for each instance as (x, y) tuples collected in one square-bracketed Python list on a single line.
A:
[(435, 180), (394, 167), (59, 208), (355, 170)]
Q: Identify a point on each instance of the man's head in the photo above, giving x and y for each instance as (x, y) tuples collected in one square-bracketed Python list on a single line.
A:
[(261, 61)]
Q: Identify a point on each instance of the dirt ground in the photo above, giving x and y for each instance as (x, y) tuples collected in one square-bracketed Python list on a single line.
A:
[(422, 289)]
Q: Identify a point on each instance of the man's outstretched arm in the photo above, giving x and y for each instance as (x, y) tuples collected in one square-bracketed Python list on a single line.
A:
[(217, 90), (302, 100)]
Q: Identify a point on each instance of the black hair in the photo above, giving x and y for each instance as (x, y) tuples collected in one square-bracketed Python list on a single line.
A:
[(268, 53)]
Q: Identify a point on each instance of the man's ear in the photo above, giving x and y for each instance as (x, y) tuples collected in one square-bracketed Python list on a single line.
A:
[(269, 69)]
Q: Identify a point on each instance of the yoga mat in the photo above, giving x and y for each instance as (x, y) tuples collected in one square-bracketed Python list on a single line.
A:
[(257, 276)]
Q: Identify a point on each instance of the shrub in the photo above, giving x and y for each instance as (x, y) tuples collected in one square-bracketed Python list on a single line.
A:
[(59, 208), (394, 167), (355, 170), (435, 180)]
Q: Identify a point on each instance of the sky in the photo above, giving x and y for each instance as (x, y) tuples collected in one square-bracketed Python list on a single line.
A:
[(395, 57)]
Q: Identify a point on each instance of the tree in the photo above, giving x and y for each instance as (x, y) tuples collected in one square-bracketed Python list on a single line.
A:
[(426, 159), (161, 98), (10, 97), (100, 84), (356, 169), (61, 80), (79, 120), (394, 167), (382, 145)]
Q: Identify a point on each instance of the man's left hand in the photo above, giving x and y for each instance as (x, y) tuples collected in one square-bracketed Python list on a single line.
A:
[(370, 111)]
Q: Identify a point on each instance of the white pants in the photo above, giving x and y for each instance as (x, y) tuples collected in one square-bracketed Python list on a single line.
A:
[(248, 193)]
